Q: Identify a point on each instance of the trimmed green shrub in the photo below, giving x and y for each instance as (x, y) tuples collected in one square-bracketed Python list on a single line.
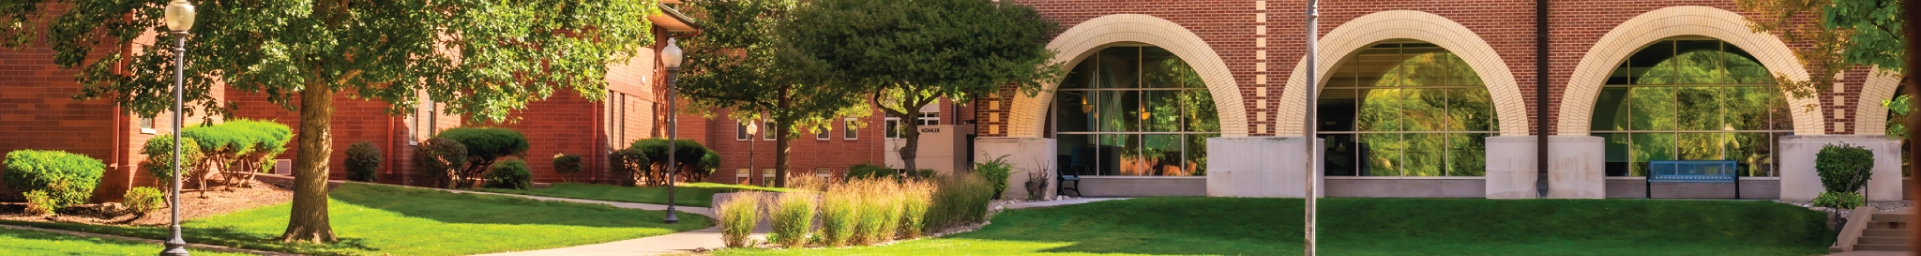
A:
[(738, 216), (695, 160), (959, 200), (159, 150), (144, 199), (439, 159), (1839, 200), (40, 203), (484, 146), (65, 178), (512, 173), (627, 165), (996, 172), (363, 162), (240, 148), (1844, 168), (566, 165), (793, 218)]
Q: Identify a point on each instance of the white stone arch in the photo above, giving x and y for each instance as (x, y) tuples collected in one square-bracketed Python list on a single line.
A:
[(1577, 100), (1870, 118), (1373, 28), (1028, 114)]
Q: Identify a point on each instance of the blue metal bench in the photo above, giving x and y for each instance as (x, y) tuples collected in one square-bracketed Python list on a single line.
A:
[(1693, 172)]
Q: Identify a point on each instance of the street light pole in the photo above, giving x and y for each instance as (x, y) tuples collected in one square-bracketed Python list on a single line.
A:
[(1313, 93), (671, 58), (179, 18)]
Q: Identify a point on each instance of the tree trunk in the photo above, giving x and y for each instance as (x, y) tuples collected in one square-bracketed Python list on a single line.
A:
[(780, 156), (308, 222), (911, 125)]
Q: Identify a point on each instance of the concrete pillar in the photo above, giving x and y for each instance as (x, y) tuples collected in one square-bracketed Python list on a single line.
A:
[(1575, 167), (1259, 167), (1029, 155), (1800, 182)]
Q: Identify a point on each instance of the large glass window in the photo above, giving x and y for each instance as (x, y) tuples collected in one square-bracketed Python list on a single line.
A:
[(1691, 99), (1133, 110), (1405, 109)]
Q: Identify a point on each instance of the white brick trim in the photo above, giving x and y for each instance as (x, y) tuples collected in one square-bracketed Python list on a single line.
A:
[(1028, 113), (1577, 102), (1870, 118), (1367, 30)]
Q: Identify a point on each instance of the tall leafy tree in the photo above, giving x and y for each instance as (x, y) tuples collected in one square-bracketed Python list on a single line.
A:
[(483, 58), (909, 53), (740, 63), (1837, 35)]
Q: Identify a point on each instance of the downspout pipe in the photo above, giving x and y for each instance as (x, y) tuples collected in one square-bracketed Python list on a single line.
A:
[(1540, 96)]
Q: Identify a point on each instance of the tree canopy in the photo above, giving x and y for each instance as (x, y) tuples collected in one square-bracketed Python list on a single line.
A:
[(906, 54)]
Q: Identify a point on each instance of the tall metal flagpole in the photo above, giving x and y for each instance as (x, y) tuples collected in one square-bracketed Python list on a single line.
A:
[(1313, 27)]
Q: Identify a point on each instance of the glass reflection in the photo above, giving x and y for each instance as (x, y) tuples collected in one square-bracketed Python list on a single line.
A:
[(1137, 111), (1690, 100), (1413, 109)]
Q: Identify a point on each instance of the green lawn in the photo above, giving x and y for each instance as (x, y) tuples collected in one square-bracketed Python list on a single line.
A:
[(1353, 226), (685, 194), (24, 242), (378, 219)]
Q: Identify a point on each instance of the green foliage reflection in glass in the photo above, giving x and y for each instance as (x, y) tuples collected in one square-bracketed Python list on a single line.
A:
[(1150, 127), (1425, 93), (1674, 107)]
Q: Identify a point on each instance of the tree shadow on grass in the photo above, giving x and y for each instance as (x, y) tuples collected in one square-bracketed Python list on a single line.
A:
[(222, 236), (491, 209)]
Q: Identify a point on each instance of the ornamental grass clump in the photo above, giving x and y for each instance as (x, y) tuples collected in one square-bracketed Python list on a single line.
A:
[(879, 213), (793, 218), (738, 217), (915, 197), (839, 210), (958, 200)]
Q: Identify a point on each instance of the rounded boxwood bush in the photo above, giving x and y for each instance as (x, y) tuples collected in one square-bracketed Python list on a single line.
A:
[(484, 146), (512, 173), (363, 162), (66, 178), (144, 199), (1844, 167), (566, 164), (439, 159), (159, 152)]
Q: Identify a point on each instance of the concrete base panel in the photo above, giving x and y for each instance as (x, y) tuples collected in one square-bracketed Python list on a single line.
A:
[(1800, 182), (1259, 167), (1140, 186), (1575, 167), (1028, 155), (1636, 187), (1406, 187)]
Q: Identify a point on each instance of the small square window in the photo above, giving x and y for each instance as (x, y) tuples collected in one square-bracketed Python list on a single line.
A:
[(825, 134), (767, 130), (893, 128), (740, 131), (146, 126), (852, 132)]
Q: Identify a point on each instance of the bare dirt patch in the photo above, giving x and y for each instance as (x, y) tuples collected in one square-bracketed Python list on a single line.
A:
[(198, 204)]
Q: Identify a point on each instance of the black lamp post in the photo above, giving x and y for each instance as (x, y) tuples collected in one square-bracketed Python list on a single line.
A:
[(670, 58), (179, 18)]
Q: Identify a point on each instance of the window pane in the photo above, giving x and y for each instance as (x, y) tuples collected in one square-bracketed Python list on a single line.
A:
[(1380, 110), (1616, 147), (1119, 68), (1120, 155), (1082, 74), (1778, 115), (1653, 108), (1698, 62), (1163, 70), (1467, 154), (1642, 64), (1161, 154), (1611, 110), (1743, 69), (1337, 110), (1424, 154), (1075, 111), (852, 131), (1382, 153), (1163, 111), (1649, 147), (1079, 153), (1701, 146), (893, 128), (1119, 111), (1747, 107), (1470, 109), (1422, 109), (1342, 155), (1700, 108), (1753, 151), (1197, 153), (1202, 115)]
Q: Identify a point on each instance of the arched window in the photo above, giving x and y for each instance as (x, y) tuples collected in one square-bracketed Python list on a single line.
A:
[(1133, 110), (1405, 109), (1691, 99)]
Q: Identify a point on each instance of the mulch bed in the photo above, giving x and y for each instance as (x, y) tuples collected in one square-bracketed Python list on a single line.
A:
[(199, 204)]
